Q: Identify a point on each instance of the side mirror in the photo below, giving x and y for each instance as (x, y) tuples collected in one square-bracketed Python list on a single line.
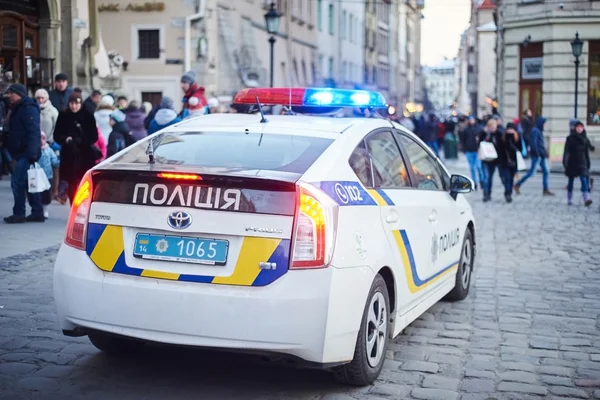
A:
[(460, 184)]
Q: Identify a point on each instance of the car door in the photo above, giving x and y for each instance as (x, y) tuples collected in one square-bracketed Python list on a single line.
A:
[(431, 183), (403, 215)]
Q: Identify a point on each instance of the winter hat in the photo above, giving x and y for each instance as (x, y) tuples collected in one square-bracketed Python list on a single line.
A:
[(578, 122), (17, 88), (515, 121), (61, 76), (42, 93), (167, 102), (572, 122), (189, 77), (213, 102), (117, 116), (511, 125), (147, 106), (75, 97), (471, 118), (107, 101)]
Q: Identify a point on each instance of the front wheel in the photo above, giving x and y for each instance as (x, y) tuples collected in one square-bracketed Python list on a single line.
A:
[(371, 344), (465, 269)]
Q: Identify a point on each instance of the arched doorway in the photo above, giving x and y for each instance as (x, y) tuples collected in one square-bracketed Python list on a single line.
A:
[(20, 60)]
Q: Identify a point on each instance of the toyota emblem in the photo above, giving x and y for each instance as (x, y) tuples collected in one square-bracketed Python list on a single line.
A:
[(179, 220)]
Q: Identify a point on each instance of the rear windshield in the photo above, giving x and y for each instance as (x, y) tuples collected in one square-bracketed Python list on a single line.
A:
[(287, 153)]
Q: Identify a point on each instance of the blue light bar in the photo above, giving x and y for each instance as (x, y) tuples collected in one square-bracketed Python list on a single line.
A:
[(326, 97)]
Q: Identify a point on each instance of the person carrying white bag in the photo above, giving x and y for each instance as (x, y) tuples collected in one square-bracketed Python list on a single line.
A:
[(23, 145), (488, 155)]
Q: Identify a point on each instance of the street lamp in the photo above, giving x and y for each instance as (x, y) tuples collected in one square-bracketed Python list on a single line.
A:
[(272, 22), (576, 48)]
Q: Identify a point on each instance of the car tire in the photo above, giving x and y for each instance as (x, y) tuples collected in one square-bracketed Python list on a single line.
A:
[(115, 344), (465, 269), (371, 344)]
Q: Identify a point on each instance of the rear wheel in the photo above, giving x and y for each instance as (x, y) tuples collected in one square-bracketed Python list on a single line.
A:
[(465, 269), (371, 344), (115, 344)]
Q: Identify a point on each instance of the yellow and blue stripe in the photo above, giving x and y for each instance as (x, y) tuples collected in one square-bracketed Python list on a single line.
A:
[(416, 283), (106, 248)]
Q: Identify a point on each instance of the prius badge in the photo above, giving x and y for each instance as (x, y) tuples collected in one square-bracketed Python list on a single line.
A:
[(179, 220)]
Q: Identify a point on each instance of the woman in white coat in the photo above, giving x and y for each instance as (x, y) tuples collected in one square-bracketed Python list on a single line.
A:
[(102, 116), (48, 115)]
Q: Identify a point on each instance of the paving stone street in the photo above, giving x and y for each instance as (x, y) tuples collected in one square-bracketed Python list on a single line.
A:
[(530, 328)]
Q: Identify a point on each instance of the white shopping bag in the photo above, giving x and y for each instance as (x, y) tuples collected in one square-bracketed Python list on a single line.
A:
[(37, 179), (487, 151), (521, 166)]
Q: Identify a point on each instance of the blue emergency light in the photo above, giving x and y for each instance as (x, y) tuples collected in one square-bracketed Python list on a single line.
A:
[(311, 97)]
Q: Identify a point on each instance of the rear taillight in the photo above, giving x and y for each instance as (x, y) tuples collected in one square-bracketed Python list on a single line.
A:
[(316, 224), (80, 211)]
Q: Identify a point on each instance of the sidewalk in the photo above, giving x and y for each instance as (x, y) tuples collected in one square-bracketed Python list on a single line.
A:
[(23, 238)]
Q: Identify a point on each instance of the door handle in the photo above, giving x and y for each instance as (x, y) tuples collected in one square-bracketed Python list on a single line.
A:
[(391, 217), (433, 216)]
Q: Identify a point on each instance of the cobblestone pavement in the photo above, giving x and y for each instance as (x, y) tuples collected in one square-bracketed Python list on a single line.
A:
[(530, 329)]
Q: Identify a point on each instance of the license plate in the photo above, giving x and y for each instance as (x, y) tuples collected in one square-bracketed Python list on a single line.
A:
[(192, 250)]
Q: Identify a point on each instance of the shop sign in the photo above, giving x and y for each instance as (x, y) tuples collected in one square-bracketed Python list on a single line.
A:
[(532, 68)]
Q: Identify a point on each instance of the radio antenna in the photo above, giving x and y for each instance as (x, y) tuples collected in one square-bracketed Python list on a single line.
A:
[(262, 114)]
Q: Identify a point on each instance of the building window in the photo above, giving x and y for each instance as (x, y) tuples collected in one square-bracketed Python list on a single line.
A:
[(343, 27), (148, 43), (320, 15), (330, 19), (330, 68), (594, 84)]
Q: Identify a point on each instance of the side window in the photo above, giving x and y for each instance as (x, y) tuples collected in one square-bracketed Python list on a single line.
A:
[(389, 170), (359, 162), (424, 166)]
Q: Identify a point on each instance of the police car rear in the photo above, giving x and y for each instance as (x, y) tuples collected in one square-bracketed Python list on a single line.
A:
[(205, 235)]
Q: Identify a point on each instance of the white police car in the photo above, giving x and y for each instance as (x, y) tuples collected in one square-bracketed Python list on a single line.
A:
[(317, 238)]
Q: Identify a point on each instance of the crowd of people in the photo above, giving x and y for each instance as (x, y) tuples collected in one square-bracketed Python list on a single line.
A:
[(519, 140), (66, 135)]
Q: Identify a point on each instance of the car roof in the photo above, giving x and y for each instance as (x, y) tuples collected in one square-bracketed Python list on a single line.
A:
[(284, 124)]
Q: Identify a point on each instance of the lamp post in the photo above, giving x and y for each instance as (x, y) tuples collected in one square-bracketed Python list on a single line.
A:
[(272, 22), (576, 48)]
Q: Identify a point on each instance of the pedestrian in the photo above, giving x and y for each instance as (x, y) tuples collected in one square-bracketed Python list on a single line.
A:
[(194, 102), (469, 141), (527, 125), (507, 146), (539, 156), (23, 145), (121, 136), (164, 117), (213, 105), (491, 135), (77, 134), (122, 103), (59, 97), (576, 161), (92, 102), (49, 115), (102, 147), (102, 116), (49, 163), (135, 116), (431, 134)]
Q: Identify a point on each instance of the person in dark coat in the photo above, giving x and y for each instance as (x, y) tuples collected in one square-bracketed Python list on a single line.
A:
[(469, 143), (507, 148), (539, 157), (576, 161), (121, 136), (59, 97), (490, 134), (92, 102), (76, 132), (134, 116), (23, 142)]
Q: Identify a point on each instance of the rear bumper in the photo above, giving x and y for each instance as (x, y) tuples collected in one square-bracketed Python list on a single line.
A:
[(314, 315)]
